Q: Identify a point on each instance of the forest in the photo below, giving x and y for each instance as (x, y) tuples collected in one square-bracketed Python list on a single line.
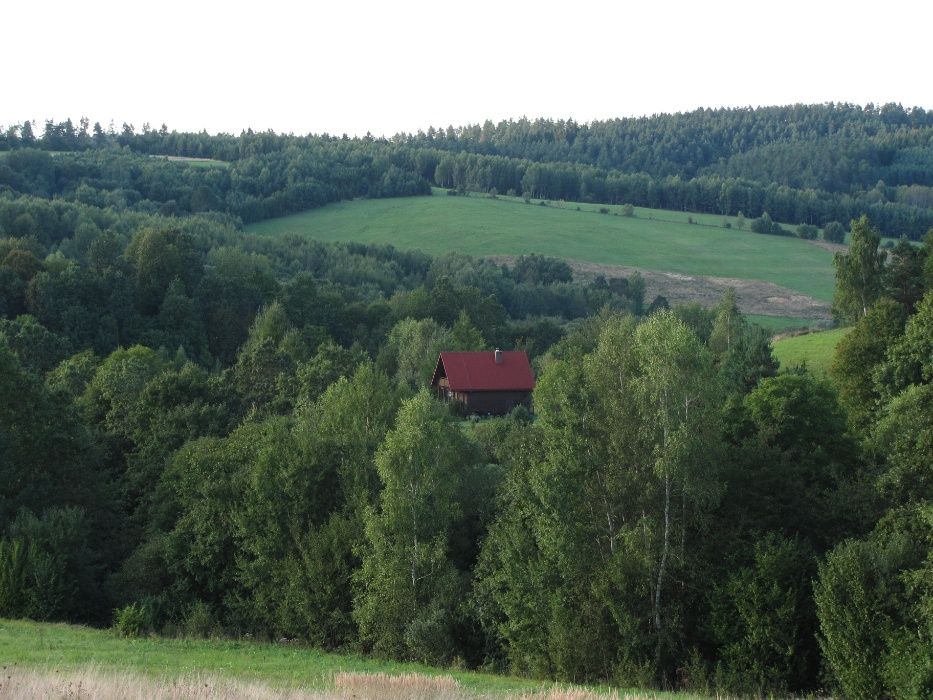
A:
[(207, 432), (801, 164)]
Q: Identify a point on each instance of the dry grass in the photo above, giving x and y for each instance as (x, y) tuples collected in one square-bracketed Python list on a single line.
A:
[(93, 684), (753, 296), (408, 686), (90, 683)]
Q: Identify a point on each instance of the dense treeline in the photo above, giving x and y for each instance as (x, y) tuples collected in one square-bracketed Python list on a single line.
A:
[(204, 432), (801, 164), (259, 187), (855, 146)]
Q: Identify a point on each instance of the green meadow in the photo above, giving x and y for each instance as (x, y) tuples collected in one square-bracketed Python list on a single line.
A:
[(64, 648), (652, 239), (814, 349)]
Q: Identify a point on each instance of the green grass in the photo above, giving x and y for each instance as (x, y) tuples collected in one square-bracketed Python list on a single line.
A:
[(195, 162), (778, 324), (653, 239), (70, 647), (816, 349)]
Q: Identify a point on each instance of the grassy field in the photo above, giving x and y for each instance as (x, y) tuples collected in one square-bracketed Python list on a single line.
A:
[(816, 349), (652, 239), (778, 324), (68, 648), (196, 162)]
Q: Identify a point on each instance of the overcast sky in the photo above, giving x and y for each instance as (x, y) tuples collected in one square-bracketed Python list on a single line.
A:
[(352, 67)]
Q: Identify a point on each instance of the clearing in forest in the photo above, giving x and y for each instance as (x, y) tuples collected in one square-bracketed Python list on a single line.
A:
[(814, 349), (651, 240)]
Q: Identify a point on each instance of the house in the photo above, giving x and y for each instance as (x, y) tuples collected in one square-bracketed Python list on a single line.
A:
[(488, 382)]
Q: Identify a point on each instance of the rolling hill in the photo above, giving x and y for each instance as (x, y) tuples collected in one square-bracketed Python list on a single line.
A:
[(652, 240)]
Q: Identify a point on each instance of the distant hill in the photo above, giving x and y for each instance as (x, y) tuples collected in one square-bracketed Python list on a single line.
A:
[(809, 164)]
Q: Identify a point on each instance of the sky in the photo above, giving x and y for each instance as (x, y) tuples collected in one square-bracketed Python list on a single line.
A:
[(355, 67)]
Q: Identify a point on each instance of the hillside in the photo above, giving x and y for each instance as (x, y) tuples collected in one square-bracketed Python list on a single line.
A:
[(652, 240)]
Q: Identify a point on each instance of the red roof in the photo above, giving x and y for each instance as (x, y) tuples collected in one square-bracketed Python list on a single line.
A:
[(478, 371)]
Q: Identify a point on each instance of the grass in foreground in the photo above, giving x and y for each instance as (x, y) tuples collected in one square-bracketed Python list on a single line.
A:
[(652, 239), (815, 349), (93, 683), (42, 653)]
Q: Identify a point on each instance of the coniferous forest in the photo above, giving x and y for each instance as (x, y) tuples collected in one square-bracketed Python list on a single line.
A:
[(209, 432)]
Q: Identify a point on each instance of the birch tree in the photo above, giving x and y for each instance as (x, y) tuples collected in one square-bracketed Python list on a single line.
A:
[(674, 390), (408, 586), (859, 273), (582, 567)]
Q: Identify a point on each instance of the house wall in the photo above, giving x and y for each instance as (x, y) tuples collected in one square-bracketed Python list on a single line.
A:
[(494, 402)]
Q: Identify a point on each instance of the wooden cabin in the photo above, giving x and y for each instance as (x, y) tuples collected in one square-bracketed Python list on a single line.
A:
[(491, 382)]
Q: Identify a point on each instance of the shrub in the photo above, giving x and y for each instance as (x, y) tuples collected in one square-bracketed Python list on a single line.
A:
[(726, 223), (763, 224), (834, 232), (807, 232), (13, 573), (765, 620), (199, 621), (604, 210), (872, 598), (628, 210), (46, 569), (130, 620), (428, 638)]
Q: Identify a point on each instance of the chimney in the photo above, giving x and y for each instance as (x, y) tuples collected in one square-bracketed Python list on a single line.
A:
[(498, 356)]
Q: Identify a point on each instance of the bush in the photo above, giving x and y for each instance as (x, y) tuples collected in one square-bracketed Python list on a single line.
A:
[(765, 622), (200, 621), (131, 620), (628, 210), (604, 210), (807, 232), (834, 232), (428, 638), (876, 621), (46, 569), (763, 224), (726, 223)]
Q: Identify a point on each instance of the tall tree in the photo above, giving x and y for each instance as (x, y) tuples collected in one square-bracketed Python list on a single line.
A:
[(859, 273), (408, 586)]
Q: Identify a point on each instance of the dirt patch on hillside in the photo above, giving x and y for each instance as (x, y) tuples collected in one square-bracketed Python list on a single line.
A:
[(831, 247), (753, 296)]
